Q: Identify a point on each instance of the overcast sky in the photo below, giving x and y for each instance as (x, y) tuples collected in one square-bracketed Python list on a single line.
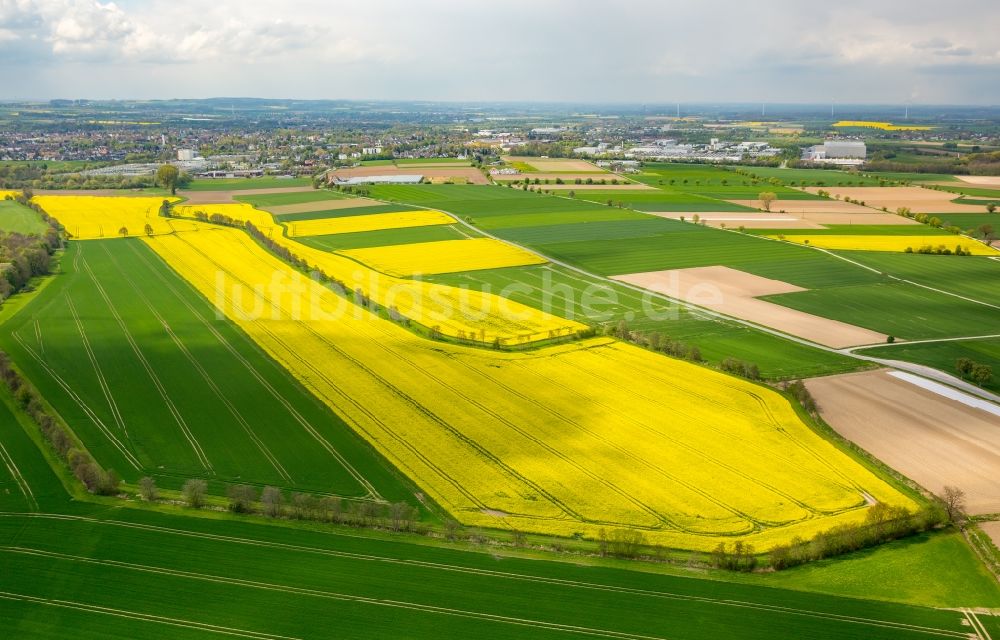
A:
[(884, 51)]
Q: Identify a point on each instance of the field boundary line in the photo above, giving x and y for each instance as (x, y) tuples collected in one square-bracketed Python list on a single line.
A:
[(145, 617), (492, 573)]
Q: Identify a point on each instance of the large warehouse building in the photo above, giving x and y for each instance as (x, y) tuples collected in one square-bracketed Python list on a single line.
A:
[(839, 152)]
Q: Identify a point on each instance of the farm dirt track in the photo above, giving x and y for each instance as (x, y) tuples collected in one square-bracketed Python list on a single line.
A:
[(471, 174), (917, 199), (735, 292), (323, 205), (933, 440)]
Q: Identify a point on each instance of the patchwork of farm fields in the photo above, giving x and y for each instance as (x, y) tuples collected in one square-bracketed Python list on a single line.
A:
[(547, 454), (142, 368), (199, 354)]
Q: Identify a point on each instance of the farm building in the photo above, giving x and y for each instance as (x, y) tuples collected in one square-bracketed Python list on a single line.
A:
[(841, 152), (396, 179)]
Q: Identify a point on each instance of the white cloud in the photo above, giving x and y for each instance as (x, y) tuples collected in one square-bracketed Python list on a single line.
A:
[(582, 50)]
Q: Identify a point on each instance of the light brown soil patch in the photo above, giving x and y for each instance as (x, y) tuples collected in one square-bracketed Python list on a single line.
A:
[(992, 529), (933, 440), (986, 182), (226, 197), (735, 292), (323, 205), (736, 219), (632, 186), (808, 206), (917, 199), (556, 164), (470, 174)]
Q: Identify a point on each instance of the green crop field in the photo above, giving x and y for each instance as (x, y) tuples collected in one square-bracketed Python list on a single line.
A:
[(385, 237), (971, 276), (155, 383), (914, 177), (813, 177), (235, 184), (14, 216), (917, 313), (341, 213)]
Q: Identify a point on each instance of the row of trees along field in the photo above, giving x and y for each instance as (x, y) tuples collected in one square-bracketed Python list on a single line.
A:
[(23, 257)]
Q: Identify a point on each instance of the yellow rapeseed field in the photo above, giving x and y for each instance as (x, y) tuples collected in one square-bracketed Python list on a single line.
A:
[(243, 212), (446, 256), (455, 312), (893, 243), (884, 126), (92, 217), (562, 440), (369, 222), (7, 193)]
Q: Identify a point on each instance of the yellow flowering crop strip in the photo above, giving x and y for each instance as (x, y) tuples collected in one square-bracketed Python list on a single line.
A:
[(8, 194), (446, 256), (884, 126), (562, 440), (892, 243), (368, 222), (455, 312), (94, 217), (239, 211)]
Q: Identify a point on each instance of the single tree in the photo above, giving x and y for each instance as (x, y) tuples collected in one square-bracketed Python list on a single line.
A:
[(766, 198), (954, 503), (148, 229), (272, 500), (991, 207), (194, 491), (147, 489), (981, 374), (241, 498), (123, 232), (166, 209), (166, 177), (987, 234)]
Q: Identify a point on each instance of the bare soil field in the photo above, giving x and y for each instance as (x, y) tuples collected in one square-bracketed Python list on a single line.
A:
[(226, 197), (992, 529), (735, 292), (933, 440), (470, 174), (986, 182), (323, 205), (735, 219), (917, 199), (556, 164), (809, 206)]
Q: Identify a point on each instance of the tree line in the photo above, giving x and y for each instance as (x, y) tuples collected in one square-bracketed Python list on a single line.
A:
[(24, 256), (87, 471)]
